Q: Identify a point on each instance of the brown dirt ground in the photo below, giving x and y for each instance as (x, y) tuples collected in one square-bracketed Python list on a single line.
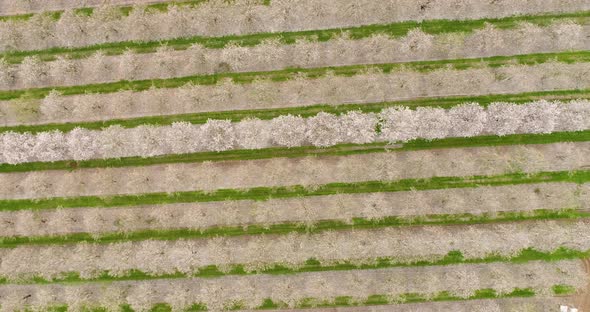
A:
[(582, 299)]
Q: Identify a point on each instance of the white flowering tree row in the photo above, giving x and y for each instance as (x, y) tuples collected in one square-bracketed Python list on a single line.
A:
[(273, 55), (107, 24), (397, 124)]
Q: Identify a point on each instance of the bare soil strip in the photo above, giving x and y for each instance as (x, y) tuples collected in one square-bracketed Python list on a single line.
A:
[(251, 291), (308, 171)]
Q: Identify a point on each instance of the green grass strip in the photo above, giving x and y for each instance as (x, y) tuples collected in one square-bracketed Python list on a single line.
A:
[(563, 290), (303, 151), (265, 193), (305, 111), (398, 29), (295, 227), (289, 73), (313, 265)]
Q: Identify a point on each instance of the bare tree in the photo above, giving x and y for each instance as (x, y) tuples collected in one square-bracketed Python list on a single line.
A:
[(65, 71), (54, 106), (99, 66), (128, 65), (70, 29), (33, 71), (417, 43), (7, 76), (165, 60), (574, 116), (568, 34)]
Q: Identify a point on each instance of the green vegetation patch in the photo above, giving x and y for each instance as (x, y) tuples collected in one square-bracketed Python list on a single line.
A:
[(563, 290)]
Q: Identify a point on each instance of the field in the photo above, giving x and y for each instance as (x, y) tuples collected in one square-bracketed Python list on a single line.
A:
[(294, 155)]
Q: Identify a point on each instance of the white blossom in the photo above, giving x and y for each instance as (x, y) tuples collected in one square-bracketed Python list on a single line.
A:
[(17, 147), (467, 120), (253, 133), (504, 118), (289, 130), (323, 130), (398, 124), (217, 135), (82, 143)]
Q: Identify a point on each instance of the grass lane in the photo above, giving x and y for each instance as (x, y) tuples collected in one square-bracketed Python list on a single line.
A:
[(304, 111), (289, 73), (275, 152), (264, 193), (394, 30)]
